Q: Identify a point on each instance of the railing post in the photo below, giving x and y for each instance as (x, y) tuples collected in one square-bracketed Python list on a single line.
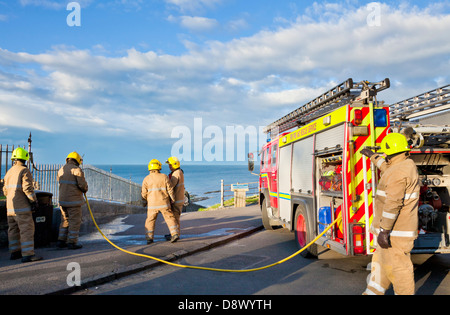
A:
[(130, 192), (110, 184), (221, 194)]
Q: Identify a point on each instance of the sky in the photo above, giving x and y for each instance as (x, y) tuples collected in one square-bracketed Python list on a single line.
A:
[(126, 81)]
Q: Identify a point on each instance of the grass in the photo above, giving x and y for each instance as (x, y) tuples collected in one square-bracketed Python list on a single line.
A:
[(251, 200)]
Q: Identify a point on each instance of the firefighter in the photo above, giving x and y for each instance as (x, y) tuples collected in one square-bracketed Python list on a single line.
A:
[(21, 202), (72, 186), (159, 194), (176, 178), (395, 219)]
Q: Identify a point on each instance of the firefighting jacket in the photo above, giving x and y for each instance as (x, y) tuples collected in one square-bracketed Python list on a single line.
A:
[(18, 189), (72, 185), (177, 181), (158, 191), (397, 197)]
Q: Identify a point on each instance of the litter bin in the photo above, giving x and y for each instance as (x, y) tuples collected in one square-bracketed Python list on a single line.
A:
[(43, 218)]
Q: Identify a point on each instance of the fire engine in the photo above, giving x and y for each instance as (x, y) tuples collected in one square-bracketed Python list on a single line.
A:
[(315, 174)]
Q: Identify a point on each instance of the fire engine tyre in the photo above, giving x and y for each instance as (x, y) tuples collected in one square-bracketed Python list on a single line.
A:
[(265, 216), (304, 234)]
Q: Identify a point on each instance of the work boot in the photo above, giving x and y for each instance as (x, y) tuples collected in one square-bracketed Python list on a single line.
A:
[(15, 255), (74, 246), (61, 244), (168, 237), (149, 241), (174, 238), (31, 258)]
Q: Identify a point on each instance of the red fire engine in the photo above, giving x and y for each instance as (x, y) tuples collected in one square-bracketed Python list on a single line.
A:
[(316, 174)]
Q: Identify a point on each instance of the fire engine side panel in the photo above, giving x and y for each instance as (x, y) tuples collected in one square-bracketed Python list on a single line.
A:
[(302, 166), (331, 138), (284, 183)]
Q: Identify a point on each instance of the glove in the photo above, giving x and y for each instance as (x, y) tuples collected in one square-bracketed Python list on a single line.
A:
[(383, 239), (367, 153)]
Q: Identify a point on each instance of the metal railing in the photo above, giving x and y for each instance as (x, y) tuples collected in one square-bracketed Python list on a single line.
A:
[(45, 178), (226, 193), (107, 186), (102, 185)]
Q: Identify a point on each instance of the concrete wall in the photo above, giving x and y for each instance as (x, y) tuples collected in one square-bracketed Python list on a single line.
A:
[(105, 212)]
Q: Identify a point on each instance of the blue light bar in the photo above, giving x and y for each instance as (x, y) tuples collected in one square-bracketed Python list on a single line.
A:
[(380, 117)]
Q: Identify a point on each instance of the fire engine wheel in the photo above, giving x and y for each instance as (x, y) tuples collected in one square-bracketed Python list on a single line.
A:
[(265, 216), (303, 234)]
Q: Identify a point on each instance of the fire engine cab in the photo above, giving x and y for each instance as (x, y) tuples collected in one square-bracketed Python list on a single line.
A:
[(315, 174)]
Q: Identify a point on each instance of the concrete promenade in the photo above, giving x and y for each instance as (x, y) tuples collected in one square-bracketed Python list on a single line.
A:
[(99, 262)]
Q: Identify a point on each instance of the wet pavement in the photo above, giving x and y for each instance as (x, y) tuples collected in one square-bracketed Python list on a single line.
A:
[(65, 271)]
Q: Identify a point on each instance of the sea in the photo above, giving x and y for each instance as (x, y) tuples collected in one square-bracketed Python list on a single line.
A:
[(201, 181)]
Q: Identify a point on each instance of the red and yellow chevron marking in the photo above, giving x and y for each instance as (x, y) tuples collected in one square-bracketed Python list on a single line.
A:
[(355, 173)]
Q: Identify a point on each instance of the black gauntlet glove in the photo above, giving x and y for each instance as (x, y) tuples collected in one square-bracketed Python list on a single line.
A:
[(367, 153), (384, 239)]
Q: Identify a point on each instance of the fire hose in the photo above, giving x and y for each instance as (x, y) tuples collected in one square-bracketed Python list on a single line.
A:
[(199, 267)]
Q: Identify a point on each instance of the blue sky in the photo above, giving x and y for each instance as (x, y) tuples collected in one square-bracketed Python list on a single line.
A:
[(116, 87)]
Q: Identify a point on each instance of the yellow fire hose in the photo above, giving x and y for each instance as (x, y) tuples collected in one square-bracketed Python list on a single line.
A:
[(205, 268)]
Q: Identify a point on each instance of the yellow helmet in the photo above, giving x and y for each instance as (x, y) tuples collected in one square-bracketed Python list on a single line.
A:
[(174, 162), (394, 143), (75, 156), (20, 154), (154, 165)]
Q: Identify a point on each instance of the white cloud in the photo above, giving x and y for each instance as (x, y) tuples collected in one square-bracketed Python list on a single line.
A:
[(193, 5), (252, 80), (195, 23), (52, 4), (237, 25)]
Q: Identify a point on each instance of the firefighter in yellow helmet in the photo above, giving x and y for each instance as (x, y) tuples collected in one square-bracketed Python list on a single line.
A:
[(159, 194), (21, 201), (395, 219), (72, 186), (176, 178)]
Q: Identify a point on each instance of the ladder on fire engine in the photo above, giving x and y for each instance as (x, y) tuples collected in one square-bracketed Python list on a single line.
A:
[(338, 96), (410, 117), (423, 104)]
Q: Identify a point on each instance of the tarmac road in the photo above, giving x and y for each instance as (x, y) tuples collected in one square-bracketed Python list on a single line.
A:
[(331, 274), (203, 233)]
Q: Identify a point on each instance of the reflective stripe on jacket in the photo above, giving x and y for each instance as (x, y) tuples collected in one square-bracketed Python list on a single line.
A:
[(72, 185), (158, 191), (397, 197), (18, 189)]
